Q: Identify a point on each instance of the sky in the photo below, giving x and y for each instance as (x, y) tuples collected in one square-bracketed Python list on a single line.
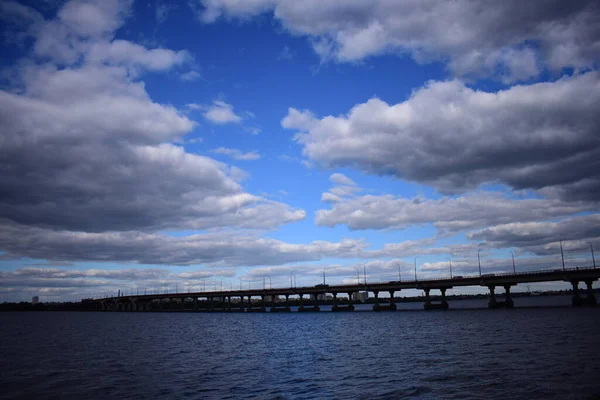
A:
[(152, 146)]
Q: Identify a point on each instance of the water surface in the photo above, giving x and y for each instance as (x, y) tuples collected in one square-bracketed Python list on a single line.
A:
[(532, 353)]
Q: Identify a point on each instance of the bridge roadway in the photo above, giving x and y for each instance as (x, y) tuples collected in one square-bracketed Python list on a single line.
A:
[(221, 300)]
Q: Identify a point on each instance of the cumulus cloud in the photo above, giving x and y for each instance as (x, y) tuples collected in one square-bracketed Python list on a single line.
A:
[(237, 154), (157, 249), (341, 179), (85, 148), (510, 39), (221, 113), (448, 214), (190, 76), (447, 135), (543, 237)]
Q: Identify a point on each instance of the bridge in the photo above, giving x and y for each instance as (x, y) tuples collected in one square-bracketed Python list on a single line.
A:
[(271, 298)]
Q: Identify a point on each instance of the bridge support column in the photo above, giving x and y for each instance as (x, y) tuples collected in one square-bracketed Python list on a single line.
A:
[(444, 302), (492, 303), (508, 301), (284, 308), (314, 307), (577, 300), (392, 303), (228, 303), (427, 299), (429, 305), (337, 307), (376, 305), (195, 304), (182, 305), (591, 299)]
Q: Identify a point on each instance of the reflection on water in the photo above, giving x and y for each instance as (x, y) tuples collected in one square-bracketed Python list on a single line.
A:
[(536, 353)]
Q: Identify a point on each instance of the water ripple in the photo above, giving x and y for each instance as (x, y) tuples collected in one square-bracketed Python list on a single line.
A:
[(521, 353)]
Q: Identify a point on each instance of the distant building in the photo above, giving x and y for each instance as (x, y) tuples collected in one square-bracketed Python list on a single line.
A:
[(360, 296), (35, 300)]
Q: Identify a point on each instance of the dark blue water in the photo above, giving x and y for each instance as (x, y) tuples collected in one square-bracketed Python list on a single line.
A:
[(551, 353)]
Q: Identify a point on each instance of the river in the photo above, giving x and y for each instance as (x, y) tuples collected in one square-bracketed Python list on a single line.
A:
[(523, 353)]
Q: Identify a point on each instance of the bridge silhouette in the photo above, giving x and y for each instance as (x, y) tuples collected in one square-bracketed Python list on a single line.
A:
[(221, 300)]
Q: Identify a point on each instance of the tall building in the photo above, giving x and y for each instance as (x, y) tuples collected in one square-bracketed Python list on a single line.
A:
[(35, 300), (360, 296)]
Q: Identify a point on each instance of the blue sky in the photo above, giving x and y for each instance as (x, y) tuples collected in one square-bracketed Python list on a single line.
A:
[(154, 144)]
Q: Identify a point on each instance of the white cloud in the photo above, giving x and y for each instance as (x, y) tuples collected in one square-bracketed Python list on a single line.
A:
[(237, 154), (474, 37), (448, 214), (216, 249), (123, 52), (447, 135), (221, 113), (341, 179), (190, 76), (543, 237), (84, 147)]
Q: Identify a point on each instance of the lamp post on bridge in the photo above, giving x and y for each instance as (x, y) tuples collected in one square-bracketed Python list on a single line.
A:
[(479, 261), (365, 272), (357, 275), (592, 250), (513, 259), (399, 274), (292, 279), (450, 261), (264, 282), (416, 267), (562, 254)]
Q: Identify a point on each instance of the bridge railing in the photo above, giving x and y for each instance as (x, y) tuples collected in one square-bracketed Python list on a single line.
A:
[(411, 281)]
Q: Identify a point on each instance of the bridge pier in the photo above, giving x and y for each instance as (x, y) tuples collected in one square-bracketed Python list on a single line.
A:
[(590, 298), (285, 308), (507, 303), (379, 307), (314, 307), (443, 305), (336, 307), (376, 305), (256, 309), (577, 300)]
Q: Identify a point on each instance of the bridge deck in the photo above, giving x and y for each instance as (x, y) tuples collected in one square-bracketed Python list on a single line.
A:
[(568, 275)]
